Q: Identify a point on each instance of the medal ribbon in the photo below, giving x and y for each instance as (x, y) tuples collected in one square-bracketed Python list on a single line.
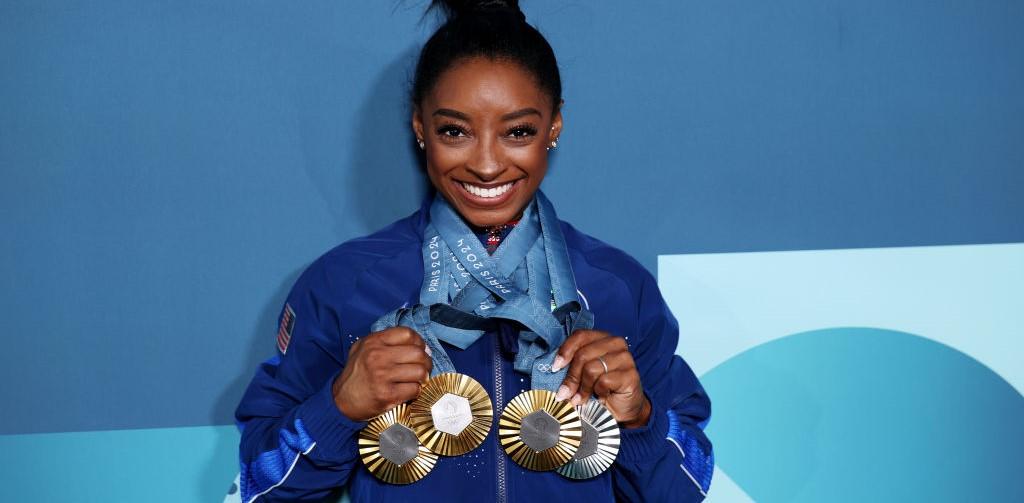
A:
[(465, 290)]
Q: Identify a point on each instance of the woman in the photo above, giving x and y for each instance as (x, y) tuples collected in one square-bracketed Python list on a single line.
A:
[(486, 111)]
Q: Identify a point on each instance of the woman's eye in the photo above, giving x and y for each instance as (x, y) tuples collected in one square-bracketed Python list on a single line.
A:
[(522, 132), (451, 131)]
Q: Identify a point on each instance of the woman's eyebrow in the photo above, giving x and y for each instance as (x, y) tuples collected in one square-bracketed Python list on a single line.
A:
[(520, 113), (455, 114)]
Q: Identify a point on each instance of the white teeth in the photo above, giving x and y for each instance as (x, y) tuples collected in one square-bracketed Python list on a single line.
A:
[(488, 193)]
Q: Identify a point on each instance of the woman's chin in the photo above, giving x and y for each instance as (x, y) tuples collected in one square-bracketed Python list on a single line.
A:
[(488, 218)]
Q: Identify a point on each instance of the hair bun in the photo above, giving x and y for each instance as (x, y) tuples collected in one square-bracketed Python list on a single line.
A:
[(460, 8)]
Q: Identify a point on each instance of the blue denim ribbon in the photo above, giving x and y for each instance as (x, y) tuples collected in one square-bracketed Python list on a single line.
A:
[(465, 290)]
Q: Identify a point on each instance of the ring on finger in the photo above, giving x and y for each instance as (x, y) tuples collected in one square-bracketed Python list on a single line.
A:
[(603, 364)]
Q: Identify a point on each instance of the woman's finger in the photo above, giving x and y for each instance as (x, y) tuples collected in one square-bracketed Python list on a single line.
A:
[(623, 395), (597, 367), (407, 354), (582, 357), (401, 336), (624, 382), (399, 393), (403, 373), (609, 383), (591, 371), (575, 341)]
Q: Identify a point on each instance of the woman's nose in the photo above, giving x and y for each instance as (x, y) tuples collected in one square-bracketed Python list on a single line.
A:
[(486, 163)]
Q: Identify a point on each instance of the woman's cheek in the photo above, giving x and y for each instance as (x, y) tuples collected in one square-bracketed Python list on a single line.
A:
[(443, 159)]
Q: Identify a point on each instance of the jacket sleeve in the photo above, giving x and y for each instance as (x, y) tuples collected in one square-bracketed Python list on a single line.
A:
[(295, 443), (669, 459)]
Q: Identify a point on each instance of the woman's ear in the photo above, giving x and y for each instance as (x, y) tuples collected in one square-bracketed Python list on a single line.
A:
[(556, 123), (417, 123)]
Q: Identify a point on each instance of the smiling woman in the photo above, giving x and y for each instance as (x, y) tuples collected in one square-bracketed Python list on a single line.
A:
[(398, 403), (486, 128)]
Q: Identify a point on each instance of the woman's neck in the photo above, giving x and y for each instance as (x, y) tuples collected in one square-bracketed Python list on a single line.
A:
[(491, 236)]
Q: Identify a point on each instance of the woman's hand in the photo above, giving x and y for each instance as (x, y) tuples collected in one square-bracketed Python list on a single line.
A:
[(384, 369), (617, 386)]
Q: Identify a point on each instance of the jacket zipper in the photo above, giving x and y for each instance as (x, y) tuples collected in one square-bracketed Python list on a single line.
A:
[(499, 401)]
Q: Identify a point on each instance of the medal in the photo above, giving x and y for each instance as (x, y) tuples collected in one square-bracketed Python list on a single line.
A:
[(390, 450), (538, 432), (599, 443), (452, 414)]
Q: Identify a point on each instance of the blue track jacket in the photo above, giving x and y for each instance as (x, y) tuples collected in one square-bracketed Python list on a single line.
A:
[(296, 444)]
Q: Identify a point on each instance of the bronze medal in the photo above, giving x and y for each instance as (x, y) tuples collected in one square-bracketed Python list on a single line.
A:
[(452, 414), (390, 450), (539, 432), (599, 444)]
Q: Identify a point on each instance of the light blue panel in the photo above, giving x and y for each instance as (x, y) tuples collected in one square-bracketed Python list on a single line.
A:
[(969, 297), (887, 374), (158, 465)]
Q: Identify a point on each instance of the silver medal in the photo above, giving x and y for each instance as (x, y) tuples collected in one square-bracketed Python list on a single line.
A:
[(599, 444)]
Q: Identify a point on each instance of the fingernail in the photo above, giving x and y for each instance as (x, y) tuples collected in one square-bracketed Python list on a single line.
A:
[(427, 349), (577, 399), (563, 393), (557, 364)]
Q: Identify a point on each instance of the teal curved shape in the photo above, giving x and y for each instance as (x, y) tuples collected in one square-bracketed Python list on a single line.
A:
[(866, 414)]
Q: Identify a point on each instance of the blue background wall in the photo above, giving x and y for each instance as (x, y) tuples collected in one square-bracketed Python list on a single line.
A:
[(170, 167)]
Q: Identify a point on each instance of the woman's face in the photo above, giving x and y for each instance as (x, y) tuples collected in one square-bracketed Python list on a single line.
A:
[(487, 126)]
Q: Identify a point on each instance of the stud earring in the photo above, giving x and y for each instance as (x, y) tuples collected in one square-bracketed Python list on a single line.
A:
[(554, 143), (422, 144)]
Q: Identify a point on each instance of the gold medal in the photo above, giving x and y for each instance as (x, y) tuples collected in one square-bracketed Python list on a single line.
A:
[(599, 444), (452, 415), (539, 432), (390, 450)]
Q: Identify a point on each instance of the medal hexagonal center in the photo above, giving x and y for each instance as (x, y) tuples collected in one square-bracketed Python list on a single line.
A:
[(539, 430), (398, 444), (588, 442), (451, 414)]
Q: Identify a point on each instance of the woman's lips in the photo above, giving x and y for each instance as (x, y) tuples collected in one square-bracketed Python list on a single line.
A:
[(486, 197)]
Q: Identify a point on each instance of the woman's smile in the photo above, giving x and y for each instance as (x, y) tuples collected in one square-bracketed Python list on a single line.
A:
[(489, 196)]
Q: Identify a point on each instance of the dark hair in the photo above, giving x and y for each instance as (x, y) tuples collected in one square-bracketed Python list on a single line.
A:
[(494, 29)]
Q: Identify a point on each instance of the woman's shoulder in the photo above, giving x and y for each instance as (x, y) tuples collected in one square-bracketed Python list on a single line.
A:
[(621, 292), (345, 262), (604, 257), (386, 242)]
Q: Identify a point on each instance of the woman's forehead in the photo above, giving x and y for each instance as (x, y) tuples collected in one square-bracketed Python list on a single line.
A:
[(487, 86)]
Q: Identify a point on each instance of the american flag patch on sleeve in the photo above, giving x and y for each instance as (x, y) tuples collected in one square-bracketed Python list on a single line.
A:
[(284, 332)]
